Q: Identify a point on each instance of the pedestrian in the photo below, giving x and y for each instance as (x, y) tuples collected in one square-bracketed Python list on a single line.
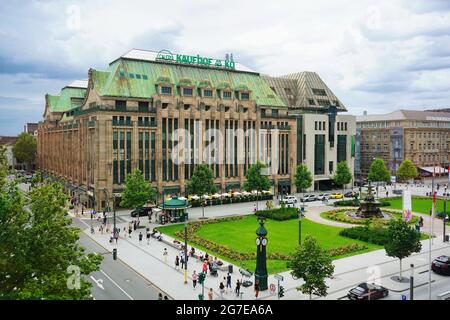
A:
[(387, 193), (182, 262), (140, 237), (254, 208), (177, 262), (205, 267), (160, 296), (421, 222), (148, 236), (256, 289), (238, 288), (165, 253), (129, 232), (229, 282), (194, 279), (165, 298), (124, 232), (134, 225), (221, 289), (210, 294)]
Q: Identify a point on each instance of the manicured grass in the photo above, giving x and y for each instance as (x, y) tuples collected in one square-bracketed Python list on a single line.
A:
[(420, 205), (282, 236)]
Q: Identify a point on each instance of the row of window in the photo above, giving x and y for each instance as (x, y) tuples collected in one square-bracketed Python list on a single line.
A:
[(429, 146), (320, 125), (207, 93), (341, 126)]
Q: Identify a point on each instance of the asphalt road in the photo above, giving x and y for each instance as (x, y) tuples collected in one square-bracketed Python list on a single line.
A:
[(115, 280)]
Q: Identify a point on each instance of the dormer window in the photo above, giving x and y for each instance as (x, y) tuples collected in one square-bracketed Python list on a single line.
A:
[(245, 96), (226, 95), (166, 90), (188, 92), (207, 93)]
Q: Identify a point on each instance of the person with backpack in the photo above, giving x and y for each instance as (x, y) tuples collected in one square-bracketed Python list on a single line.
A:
[(229, 282)]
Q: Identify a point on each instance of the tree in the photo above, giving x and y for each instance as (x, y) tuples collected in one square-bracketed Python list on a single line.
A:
[(402, 240), (137, 191), (47, 261), (406, 171), (202, 180), (37, 179), (255, 179), (343, 175), (378, 171), (313, 265), (25, 148), (3, 167), (303, 177)]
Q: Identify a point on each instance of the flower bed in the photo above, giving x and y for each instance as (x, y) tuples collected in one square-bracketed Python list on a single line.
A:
[(341, 216)]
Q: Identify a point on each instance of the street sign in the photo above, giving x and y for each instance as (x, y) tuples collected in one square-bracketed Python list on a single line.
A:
[(278, 277)]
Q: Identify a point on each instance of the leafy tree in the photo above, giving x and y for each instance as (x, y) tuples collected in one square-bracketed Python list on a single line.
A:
[(378, 171), (137, 191), (406, 171), (202, 180), (39, 247), (25, 148), (303, 177), (255, 179), (3, 167), (37, 179), (342, 175), (403, 240), (313, 265)]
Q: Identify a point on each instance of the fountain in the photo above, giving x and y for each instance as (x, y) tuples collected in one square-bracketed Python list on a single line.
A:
[(369, 207)]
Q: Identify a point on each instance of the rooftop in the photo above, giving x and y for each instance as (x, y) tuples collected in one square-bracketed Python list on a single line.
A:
[(7, 140), (406, 115)]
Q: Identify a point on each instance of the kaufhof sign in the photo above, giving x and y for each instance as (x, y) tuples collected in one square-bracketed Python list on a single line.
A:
[(166, 55)]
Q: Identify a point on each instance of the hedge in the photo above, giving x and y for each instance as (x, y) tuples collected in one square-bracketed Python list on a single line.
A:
[(377, 236), (280, 214)]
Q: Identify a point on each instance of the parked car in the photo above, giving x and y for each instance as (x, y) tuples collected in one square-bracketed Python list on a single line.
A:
[(367, 291), (441, 265), (336, 195), (289, 200), (323, 196), (350, 194), (397, 191), (308, 197), (144, 211)]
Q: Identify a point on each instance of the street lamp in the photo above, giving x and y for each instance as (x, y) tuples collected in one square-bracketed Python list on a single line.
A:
[(445, 214), (185, 248), (300, 226), (411, 283)]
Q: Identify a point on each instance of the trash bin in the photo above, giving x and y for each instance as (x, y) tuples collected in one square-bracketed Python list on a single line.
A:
[(230, 268)]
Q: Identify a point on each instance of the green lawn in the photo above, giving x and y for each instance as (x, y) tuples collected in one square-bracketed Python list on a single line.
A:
[(282, 236), (420, 205)]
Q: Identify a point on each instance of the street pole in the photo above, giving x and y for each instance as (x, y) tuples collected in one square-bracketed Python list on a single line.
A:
[(411, 283), (300, 228), (445, 215), (185, 250), (430, 239)]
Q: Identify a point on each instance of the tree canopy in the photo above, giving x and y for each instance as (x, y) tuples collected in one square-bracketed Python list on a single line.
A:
[(303, 177), (137, 191), (202, 180), (255, 180), (406, 171), (378, 171), (342, 175), (25, 148), (313, 265)]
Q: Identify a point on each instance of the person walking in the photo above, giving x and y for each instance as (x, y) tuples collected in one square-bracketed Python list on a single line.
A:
[(160, 297), (165, 254), (256, 289), (421, 221), (182, 260), (238, 288), (129, 232), (148, 237), (177, 262), (194, 279), (210, 294), (205, 267), (140, 237), (229, 282), (222, 290)]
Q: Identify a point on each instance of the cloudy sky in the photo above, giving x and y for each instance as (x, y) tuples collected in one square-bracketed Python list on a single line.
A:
[(375, 55)]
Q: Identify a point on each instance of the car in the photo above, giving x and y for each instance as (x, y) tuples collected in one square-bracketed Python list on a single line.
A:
[(144, 211), (308, 197), (441, 265), (336, 195), (289, 200), (350, 194), (367, 291), (323, 196), (397, 191)]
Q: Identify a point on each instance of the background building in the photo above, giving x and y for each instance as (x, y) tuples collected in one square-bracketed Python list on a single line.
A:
[(420, 136), (97, 131), (8, 143)]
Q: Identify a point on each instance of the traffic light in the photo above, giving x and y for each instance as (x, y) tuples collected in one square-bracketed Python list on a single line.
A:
[(201, 277), (115, 254), (281, 292)]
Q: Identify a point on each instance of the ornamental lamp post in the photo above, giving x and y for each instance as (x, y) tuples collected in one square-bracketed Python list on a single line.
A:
[(185, 247), (261, 259)]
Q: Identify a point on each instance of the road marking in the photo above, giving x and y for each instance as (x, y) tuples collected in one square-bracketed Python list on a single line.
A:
[(98, 282), (131, 298)]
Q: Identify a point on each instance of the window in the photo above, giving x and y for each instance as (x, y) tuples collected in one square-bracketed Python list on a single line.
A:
[(143, 106), (320, 125), (131, 75), (245, 96), (345, 124), (315, 125), (226, 95), (207, 93), (144, 76), (121, 105), (319, 92), (330, 167), (166, 90), (311, 102), (274, 113), (188, 92), (138, 76)]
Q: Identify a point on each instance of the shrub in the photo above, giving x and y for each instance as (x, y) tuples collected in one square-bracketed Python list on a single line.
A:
[(346, 203), (377, 236), (280, 214)]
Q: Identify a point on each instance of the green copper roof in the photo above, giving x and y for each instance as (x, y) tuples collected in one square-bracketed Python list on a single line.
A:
[(138, 79), (63, 102), (174, 203)]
